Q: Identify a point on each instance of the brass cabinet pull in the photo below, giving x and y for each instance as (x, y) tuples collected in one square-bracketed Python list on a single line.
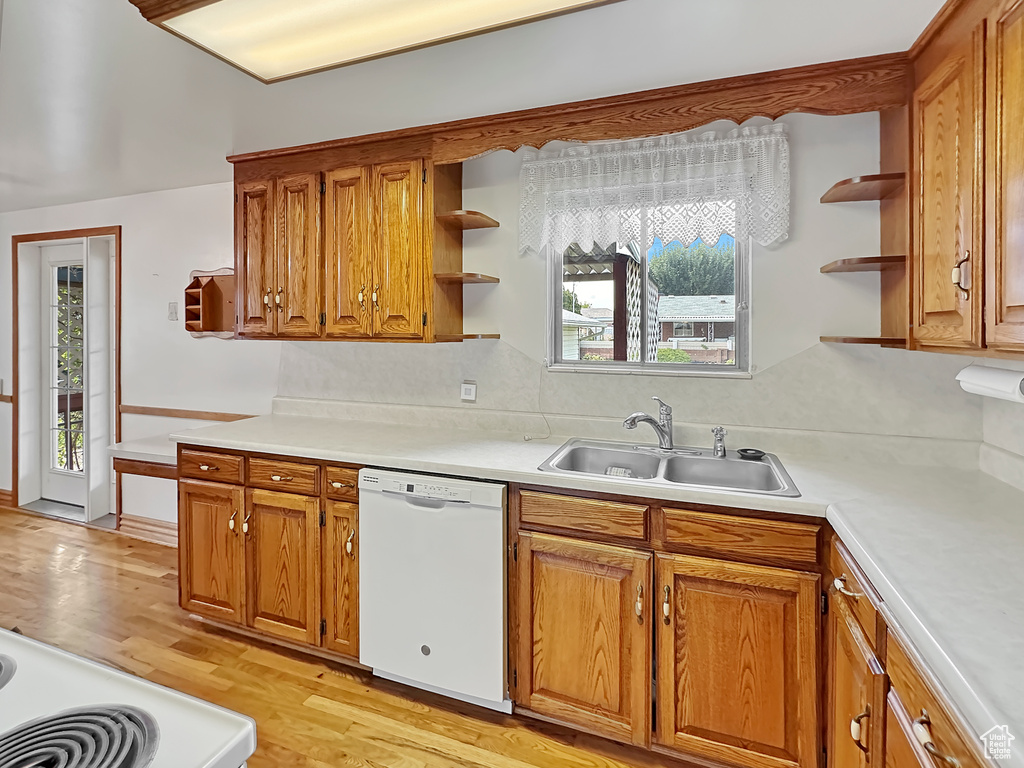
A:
[(840, 585), (266, 297), (231, 522), (923, 734), (348, 542), (279, 479), (336, 484), (277, 299), (666, 606), (958, 274), (639, 607), (855, 727), (373, 297), (208, 468), (245, 523), (362, 303)]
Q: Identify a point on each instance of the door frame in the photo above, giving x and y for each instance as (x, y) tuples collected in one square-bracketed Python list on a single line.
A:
[(42, 238)]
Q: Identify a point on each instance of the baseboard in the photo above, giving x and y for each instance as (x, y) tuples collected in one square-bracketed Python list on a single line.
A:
[(6, 499), (156, 531)]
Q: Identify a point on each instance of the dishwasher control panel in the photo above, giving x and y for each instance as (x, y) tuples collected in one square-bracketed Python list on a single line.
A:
[(410, 486)]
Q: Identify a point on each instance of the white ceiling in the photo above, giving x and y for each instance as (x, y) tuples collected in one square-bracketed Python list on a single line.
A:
[(96, 102)]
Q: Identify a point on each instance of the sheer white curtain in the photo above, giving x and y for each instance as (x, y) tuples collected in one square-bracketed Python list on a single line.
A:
[(672, 187)]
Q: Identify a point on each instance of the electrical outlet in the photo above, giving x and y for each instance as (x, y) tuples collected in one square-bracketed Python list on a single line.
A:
[(468, 391), (172, 311)]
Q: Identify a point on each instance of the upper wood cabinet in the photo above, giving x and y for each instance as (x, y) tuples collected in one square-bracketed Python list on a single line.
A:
[(737, 662), (856, 693), (584, 638), (1005, 182), (349, 252), (282, 533), (212, 573), (948, 200)]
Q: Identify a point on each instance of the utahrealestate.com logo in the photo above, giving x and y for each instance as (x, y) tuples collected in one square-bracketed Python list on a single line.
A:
[(997, 742)]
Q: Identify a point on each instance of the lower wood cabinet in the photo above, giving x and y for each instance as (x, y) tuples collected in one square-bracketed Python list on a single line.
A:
[(584, 638), (212, 564), (282, 545), (341, 578), (902, 749), (856, 693), (737, 661)]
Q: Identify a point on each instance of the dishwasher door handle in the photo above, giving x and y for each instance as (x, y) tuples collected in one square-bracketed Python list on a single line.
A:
[(424, 501)]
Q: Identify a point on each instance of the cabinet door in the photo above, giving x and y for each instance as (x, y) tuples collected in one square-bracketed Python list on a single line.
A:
[(210, 552), (738, 662), (1005, 147), (341, 578), (948, 162), (282, 543), (584, 635), (347, 252), (299, 266), (856, 694), (254, 260), (398, 262)]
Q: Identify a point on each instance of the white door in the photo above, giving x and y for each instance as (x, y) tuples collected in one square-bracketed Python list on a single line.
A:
[(63, 448), (99, 375)]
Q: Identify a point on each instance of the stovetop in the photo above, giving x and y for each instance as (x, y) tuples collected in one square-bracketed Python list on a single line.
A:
[(58, 710)]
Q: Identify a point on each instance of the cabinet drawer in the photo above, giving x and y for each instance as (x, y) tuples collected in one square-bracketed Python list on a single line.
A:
[(742, 537), (609, 518), (343, 483), (217, 467), (287, 476), (851, 587), (910, 688)]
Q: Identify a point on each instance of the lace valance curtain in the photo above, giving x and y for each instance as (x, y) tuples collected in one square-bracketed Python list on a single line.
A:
[(675, 187)]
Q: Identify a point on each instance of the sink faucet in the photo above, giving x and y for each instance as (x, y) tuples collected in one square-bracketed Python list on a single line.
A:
[(663, 427), (719, 433)]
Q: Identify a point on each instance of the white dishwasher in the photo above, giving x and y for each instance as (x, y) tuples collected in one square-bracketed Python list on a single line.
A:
[(432, 584)]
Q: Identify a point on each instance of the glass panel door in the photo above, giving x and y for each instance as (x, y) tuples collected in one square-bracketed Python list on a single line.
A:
[(67, 368)]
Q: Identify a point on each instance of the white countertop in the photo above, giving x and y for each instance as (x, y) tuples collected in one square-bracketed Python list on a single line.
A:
[(157, 450), (944, 547)]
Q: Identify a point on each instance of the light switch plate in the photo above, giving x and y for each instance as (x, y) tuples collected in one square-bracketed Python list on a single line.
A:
[(172, 310), (469, 391)]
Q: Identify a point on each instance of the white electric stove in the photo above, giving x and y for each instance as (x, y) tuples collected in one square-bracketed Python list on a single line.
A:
[(58, 709)]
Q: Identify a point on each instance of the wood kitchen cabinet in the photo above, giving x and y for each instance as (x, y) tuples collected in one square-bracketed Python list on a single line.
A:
[(855, 709), (737, 661), (397, 238), (948, 200), (255, 273), (584, 640), (212, 572), (349, 268), (282, 546), (341, 578)]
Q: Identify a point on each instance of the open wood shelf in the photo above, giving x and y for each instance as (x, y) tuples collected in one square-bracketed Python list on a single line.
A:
[(864, 264), (209, 302), (883, 341), (467, 220), (466, 278), (875, 187), (443, 337)]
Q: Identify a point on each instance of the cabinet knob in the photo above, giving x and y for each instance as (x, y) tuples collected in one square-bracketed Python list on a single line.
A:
[(923, 734), (958, 274), (348, 543), (856, 729)]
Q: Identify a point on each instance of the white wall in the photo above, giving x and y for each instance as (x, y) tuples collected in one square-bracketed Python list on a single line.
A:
[(798, 382), (165, 235)]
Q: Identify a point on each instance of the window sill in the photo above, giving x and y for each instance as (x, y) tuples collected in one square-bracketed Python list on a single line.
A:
[(649, 371)]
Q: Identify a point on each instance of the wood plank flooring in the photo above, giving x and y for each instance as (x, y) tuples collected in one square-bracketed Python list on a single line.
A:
[(114, 599)]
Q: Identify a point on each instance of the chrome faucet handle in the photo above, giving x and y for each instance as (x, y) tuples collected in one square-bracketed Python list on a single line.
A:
[(719, 432), (665, 408)]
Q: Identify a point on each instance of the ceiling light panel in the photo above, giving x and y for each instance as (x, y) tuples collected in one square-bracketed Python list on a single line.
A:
[(273, 39)]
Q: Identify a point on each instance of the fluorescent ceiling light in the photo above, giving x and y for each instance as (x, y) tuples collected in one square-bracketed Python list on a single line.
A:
[(274, 39)]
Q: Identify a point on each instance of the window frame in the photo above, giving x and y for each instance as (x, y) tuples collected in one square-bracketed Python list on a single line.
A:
[(741, 370)]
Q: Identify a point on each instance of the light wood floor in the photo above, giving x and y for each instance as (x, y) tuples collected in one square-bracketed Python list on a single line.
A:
[(114, 599)]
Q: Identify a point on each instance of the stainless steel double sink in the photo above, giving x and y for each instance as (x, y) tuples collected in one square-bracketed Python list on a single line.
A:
[(652, 466)]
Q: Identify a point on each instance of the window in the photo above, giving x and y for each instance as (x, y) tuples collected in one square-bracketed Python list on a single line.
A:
[(673, 308), (66, 364)]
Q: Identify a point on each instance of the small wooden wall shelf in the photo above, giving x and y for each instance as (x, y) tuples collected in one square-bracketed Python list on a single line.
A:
[(875, 187), (883, 341), (210, 303), (466, 278), (864, 264), (467, 220), (466, 336)]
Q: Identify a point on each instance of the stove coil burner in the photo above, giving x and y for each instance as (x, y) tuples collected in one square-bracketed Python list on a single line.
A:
[(7, 669), (86, 737)]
